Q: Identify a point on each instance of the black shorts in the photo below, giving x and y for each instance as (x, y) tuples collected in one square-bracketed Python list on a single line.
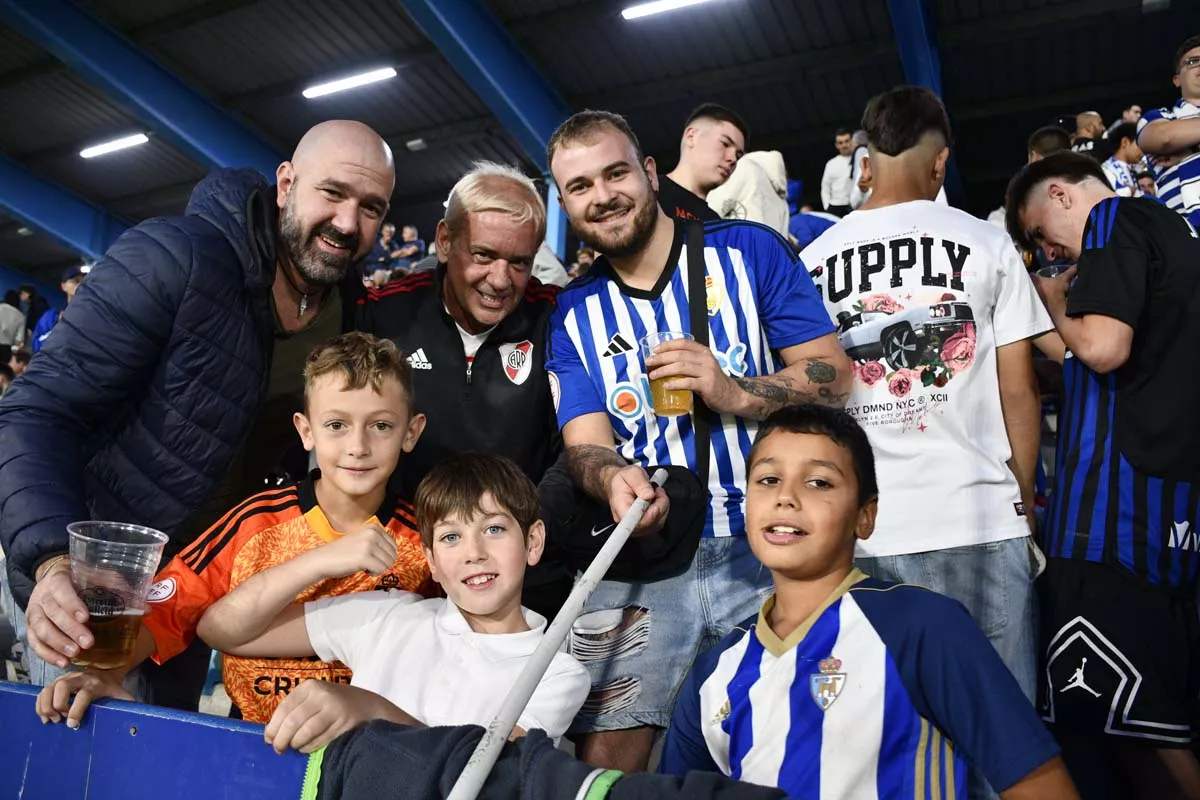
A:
[(1119, 655)]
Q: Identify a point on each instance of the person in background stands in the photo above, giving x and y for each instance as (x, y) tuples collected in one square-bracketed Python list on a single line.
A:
[(1047, 141), (714, 138), (71, 279), (18, 361), (377, 266), (34, 305), (583, 262), (839, 176), (1171, 137), (1132, 115), (1118, 168), (1089, 128), (1146, 185), (409, 251), (233, 295), (12, 321)]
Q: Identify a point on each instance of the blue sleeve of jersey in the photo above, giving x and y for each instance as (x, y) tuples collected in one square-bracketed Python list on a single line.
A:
[(570, 384), (789, 308), (685, 749), (42, 330), (957, 681)]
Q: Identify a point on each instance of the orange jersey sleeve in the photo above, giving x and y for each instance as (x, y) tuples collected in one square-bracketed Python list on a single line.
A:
[(200, 575)]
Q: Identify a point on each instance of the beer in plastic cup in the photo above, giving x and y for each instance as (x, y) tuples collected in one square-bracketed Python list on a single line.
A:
[(112, 567), (666, 402)]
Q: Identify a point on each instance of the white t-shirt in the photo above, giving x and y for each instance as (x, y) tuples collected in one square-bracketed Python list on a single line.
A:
[(923, 294), (423, 657)]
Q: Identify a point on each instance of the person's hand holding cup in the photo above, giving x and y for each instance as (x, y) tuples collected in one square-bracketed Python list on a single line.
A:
[(86, 610)]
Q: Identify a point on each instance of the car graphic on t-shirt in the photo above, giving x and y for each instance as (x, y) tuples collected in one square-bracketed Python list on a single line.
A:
[(904, 338)]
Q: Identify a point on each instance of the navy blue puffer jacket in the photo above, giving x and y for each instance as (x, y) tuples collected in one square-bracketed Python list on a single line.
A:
[(151, 380)]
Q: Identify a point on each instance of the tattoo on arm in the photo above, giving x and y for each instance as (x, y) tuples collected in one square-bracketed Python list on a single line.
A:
[(588, 464), (774, 392), (820, 371)]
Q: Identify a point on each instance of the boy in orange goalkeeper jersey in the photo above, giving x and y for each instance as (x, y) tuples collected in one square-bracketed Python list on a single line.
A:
[(358, 420)]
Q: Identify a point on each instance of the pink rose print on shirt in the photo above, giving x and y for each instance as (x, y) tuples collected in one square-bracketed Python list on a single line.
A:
[(900, 384), (882, 303), (871, 372), (958, 353)]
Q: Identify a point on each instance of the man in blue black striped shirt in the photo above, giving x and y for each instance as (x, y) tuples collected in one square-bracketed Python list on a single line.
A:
[(1118, 616)]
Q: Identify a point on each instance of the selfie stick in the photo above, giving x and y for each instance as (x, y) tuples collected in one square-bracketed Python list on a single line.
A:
[(473, 776)]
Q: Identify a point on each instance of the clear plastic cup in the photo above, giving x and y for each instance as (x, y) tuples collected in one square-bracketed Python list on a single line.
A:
[(1054, 270), (666, 402), (112, 567)]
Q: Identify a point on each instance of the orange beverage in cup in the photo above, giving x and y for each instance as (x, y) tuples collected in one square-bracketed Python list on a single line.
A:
[(666, 402)]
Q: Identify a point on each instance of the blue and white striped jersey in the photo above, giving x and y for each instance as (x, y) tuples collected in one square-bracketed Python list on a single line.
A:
[(1120, 177), (888, 691), (1177, 177), (759, 300)]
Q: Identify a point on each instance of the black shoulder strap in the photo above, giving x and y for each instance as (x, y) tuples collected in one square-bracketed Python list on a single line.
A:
[(698, 312)]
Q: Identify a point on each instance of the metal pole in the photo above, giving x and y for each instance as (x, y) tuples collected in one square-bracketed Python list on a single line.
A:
[(473, 776)]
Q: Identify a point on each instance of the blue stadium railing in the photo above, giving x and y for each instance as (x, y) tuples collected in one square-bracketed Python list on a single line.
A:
[(125, 751)]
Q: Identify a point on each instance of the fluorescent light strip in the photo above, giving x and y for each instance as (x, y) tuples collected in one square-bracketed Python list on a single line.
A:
[(657, 7), (353, 82), (105, 148)]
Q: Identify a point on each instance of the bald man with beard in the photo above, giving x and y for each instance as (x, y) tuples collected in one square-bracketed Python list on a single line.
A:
[(166, 393)]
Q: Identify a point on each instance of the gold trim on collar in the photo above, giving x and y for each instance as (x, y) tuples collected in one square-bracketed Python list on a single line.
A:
[(319, 523), (771, 641)]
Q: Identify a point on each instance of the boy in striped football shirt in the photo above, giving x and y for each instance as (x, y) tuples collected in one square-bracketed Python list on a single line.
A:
[(845, 686), (358, 420)]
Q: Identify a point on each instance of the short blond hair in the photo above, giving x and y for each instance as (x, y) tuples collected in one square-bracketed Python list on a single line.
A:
[(362, 360), (488, 186)]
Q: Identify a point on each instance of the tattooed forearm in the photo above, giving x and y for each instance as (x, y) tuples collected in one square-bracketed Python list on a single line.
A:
[(591, 467), (811, 380), (820, 371)]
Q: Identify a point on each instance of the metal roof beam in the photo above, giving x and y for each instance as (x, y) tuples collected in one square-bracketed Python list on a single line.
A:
[(912, 22), (163, 101), (85, 228), (142, 34), (491, 63)]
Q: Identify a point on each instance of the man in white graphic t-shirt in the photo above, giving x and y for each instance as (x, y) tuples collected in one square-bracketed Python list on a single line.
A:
[(936, 311)]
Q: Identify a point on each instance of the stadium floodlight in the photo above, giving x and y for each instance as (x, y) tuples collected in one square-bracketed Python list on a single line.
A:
[(657, 7), (352, 82), (104, 148)]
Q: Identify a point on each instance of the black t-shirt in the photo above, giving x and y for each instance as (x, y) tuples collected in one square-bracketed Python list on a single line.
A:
[(680, 203), (1141, 265)]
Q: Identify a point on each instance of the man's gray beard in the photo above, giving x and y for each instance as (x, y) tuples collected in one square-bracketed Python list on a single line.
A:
[(635, 242), (315, 267)]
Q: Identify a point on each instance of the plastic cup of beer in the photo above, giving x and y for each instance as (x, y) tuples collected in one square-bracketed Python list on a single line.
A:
[(112, 567), (666, 402)]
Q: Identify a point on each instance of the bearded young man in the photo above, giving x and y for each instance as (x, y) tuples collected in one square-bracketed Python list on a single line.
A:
[(771, 344), (166, 393)]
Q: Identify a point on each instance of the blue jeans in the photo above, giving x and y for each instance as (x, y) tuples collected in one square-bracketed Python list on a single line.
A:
[(995, 583), (638, 640)]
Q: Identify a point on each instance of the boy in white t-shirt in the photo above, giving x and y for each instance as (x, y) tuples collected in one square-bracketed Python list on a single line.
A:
[(936, 311), (414, 661)]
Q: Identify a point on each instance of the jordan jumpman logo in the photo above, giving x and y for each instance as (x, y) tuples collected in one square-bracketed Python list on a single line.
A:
[(1076, 682)]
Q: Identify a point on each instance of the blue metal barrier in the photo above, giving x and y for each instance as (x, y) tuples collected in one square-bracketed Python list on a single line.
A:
[(125, 750)]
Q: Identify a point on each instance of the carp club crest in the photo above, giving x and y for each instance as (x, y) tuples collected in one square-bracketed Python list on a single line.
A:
[(517, 360)]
